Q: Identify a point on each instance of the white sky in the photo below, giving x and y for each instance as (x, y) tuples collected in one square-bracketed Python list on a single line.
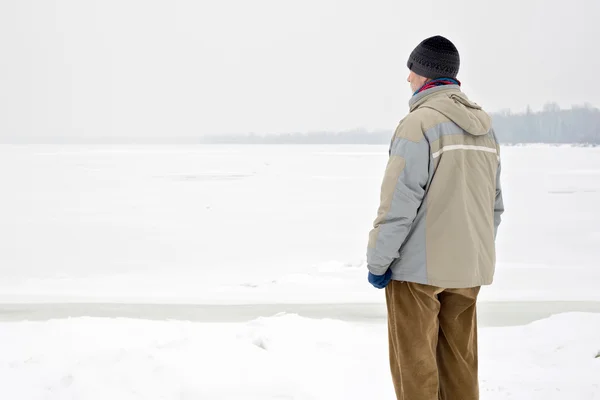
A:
[(187, 67)]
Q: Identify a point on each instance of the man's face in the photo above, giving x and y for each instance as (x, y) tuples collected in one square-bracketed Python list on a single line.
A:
[(416, 81)]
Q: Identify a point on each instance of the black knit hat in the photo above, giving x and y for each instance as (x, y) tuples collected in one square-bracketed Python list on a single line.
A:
[(435, 57)]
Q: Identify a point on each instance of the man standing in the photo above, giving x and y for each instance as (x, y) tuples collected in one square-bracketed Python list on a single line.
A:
[(433, 242)]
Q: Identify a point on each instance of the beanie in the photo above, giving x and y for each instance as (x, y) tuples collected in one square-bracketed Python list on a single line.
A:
[(435, 57)]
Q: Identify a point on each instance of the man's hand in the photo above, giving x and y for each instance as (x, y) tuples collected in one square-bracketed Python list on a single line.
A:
[(380, 281)]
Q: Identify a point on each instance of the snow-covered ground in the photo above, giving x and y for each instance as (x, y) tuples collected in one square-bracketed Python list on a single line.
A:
[(262, 224), (224, 234), (282, 357)]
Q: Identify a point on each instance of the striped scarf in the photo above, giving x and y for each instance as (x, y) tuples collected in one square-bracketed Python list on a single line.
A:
[(437, 82)]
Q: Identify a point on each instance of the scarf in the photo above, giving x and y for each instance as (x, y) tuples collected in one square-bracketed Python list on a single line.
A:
[(437, 82)]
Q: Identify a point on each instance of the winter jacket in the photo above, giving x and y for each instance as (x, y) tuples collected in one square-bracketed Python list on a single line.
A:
[(441, 200)]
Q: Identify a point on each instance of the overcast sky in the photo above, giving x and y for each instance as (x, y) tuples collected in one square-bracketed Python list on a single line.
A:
[(187, 67)]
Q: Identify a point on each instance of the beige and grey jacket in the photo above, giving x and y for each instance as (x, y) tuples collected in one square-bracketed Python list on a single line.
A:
[(441, 200)]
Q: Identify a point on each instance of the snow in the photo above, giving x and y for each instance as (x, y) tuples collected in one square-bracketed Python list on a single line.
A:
[(262, 224), (280, 357), (162, 231)]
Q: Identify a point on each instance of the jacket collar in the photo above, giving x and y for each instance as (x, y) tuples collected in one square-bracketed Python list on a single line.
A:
[(420, 98)]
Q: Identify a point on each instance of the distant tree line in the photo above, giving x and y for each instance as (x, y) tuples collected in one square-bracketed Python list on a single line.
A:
[(358, 136), (579, 125)]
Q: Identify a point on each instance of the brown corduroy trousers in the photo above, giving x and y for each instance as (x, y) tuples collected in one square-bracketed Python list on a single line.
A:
[(433, 341)]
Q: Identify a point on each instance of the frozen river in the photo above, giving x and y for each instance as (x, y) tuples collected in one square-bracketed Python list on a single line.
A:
[(264, 225)]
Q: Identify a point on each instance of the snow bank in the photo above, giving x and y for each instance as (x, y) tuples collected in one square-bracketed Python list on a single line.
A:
[(283, 357)]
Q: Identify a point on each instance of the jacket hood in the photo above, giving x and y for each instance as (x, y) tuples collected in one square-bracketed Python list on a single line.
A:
[(450, 101)]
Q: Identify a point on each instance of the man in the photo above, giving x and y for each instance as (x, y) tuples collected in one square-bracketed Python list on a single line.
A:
[(433, 242)]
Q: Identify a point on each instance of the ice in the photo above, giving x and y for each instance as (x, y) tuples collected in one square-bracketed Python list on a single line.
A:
[(280, 357), (263, 224)]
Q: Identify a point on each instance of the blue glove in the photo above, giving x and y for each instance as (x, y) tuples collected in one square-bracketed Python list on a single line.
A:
[(381, 281)]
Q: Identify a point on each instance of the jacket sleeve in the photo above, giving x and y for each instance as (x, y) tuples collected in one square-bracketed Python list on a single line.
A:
[(499, 203), (402, 192)]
